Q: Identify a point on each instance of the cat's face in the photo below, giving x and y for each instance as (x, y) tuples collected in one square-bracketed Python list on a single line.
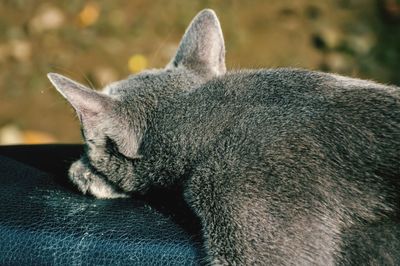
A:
[(110, 116), (121, 118)]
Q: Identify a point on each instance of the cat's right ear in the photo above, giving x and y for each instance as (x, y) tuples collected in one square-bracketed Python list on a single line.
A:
[(86, 102), (202, 47)]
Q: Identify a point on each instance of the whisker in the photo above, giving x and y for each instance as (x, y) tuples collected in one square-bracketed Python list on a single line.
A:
[(88, 81), (73, 73), (69, 72), (160, 46)]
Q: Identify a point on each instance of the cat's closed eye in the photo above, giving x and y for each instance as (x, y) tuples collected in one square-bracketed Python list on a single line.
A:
[(112, 146)]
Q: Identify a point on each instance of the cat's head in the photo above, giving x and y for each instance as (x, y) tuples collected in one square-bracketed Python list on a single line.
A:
[(106, 116)]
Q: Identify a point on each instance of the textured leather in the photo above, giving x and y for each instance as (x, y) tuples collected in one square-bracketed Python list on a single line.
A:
[(44, 221)]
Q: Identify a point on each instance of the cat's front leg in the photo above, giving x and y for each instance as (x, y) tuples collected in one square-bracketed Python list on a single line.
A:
[(89, 182)]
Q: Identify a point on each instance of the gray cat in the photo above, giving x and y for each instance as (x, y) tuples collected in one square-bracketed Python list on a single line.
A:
[(282, 166)]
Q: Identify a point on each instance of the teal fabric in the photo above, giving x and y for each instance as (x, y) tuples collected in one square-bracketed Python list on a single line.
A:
[(44, 221)]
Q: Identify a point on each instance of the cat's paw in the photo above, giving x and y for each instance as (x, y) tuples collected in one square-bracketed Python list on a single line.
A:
[(90, 183)]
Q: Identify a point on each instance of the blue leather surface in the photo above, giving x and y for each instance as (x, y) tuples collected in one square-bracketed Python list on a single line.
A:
[(44, 221)]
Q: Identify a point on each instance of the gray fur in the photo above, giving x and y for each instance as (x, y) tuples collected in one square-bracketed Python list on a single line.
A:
[(282, 166)]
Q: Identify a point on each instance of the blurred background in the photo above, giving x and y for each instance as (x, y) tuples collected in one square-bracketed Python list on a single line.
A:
[(97, 42)]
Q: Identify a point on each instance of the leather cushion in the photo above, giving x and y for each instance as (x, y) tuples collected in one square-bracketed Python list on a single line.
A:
[(43, 220)]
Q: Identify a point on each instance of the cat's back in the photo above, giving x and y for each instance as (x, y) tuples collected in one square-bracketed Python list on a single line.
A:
[(294, 85), (285, 112), (270, 98)]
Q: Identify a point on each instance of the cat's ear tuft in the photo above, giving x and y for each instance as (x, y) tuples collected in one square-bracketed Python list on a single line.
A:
[(87, 103), (202, 46)]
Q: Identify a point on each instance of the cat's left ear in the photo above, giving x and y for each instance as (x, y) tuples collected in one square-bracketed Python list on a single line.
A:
[(202, 47), (86, 102)]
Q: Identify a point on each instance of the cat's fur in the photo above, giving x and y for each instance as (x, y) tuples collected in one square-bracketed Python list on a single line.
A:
[(282, 166)]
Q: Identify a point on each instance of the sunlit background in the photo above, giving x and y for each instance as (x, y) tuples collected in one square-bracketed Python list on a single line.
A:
[(97, 42)]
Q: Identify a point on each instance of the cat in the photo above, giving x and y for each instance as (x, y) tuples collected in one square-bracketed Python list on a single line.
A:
[(281, 166)]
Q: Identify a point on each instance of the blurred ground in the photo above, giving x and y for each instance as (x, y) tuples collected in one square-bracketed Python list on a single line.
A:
[(101, 41)]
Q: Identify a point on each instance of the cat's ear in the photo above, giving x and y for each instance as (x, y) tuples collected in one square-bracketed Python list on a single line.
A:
[(202, 47), (87, 103)]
